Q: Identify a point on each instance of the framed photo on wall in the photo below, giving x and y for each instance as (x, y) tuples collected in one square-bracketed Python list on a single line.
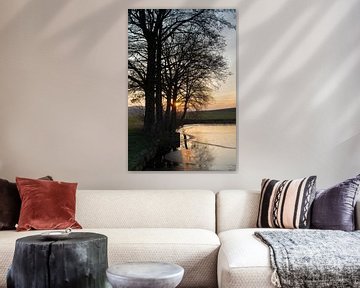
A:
[(182, 90)]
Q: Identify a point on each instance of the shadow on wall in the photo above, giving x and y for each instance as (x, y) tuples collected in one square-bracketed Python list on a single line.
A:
[(297, 73), (86, 32), (285, 61), (89, 30), (46, 11)]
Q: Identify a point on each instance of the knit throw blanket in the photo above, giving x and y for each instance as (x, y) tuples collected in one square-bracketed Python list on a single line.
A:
[(313, 258)]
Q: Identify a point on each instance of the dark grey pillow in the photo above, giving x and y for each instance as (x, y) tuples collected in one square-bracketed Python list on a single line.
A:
[(334, 208), (9, 205)]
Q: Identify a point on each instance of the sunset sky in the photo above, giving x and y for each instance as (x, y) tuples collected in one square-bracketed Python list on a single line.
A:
[(225, 97)]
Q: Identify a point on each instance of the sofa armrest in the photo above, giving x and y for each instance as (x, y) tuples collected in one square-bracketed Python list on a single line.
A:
[(357, 215)]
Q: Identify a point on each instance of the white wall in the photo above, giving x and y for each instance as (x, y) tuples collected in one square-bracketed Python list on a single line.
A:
[(63, 89)]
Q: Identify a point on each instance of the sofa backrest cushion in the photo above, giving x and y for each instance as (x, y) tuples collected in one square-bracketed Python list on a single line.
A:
[(146, 209), (236, 209)]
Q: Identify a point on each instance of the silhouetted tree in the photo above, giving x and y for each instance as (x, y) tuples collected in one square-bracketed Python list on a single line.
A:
[(194, 67), (161, 59)]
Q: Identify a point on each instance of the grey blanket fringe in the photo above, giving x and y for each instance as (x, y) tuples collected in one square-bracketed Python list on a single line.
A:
[(313, 258)]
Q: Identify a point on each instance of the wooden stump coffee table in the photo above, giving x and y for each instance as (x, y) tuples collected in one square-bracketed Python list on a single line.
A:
[(145, 275), (79, 260)]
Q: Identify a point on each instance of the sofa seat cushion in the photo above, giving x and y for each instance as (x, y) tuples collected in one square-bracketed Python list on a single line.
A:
[(244, 261), (194, 249)]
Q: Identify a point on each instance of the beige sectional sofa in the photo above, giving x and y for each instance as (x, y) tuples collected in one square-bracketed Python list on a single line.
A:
[(177, 226)]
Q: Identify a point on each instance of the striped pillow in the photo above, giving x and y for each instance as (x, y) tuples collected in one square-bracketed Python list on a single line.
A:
[(286, 204)]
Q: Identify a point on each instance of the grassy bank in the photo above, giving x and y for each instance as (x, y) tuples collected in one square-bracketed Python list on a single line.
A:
[(141, 148), (137, 149)]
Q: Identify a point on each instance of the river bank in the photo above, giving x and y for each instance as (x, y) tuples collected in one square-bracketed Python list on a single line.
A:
[(147, 153), (208, 121)]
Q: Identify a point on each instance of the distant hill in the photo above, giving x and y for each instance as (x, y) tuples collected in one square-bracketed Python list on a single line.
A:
[(227, 115), (219, 110)]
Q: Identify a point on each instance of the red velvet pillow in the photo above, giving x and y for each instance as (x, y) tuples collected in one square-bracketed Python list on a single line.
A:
[(46, 204)]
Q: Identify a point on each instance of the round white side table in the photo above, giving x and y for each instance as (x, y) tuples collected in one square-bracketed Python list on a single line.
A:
[(145, 275)]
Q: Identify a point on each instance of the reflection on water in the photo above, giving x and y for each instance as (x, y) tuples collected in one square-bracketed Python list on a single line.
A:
[(205, 147)]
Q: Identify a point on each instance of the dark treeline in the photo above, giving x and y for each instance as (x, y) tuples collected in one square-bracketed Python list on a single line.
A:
[(175, 61)]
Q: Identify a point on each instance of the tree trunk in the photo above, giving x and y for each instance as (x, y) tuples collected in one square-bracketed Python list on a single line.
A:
[(185, 109), (79, 261), (167, 111), (173, 110), (159, 107), (149, 119)]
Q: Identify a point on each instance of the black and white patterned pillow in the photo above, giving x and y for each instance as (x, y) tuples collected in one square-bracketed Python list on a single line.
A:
[(286, 204)]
